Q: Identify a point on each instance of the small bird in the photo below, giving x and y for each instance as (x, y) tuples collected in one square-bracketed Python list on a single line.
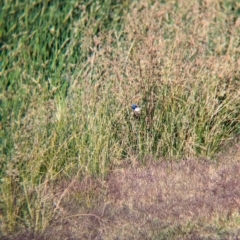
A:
[(136, 109)]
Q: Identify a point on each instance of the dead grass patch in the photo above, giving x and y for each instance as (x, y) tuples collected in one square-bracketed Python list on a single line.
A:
[(185, 200)]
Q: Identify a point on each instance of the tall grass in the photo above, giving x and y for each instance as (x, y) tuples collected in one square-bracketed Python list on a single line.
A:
[(43, 44), (71, 72)]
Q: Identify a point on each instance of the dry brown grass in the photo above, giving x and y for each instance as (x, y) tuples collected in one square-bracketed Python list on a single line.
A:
[(186, 200), (179, 67)]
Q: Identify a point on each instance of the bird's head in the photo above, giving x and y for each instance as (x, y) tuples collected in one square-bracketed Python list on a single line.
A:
[(136, 109), (134, 106)]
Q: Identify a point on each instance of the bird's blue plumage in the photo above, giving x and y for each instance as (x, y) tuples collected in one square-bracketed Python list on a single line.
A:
[(134, 106), (136, 109)]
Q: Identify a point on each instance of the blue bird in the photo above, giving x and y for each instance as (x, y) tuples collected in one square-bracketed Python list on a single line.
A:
[(136, 109)]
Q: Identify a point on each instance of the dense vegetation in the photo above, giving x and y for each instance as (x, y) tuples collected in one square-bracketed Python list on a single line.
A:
[(70, 71)]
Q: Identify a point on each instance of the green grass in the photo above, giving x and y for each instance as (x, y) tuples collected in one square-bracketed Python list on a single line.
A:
[(70, 72)]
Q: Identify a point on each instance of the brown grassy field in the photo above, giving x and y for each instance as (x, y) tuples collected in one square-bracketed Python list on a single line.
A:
[(190, 199)]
